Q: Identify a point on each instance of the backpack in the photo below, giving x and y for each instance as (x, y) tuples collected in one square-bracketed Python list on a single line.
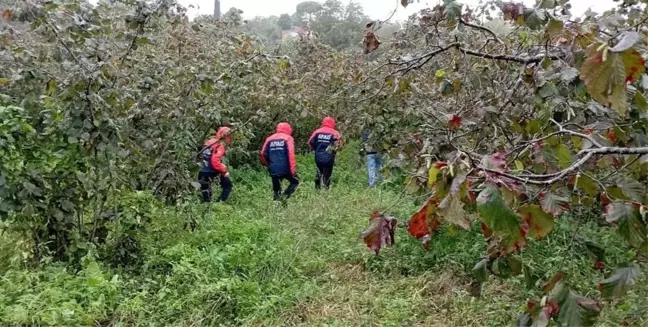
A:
[(206, 154), (206, 158)]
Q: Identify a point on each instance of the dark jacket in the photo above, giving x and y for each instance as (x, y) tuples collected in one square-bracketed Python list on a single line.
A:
[(323, 140), (278, 152), (368, 143)]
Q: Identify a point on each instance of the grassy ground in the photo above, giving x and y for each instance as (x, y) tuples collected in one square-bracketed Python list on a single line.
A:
[(255, 263)]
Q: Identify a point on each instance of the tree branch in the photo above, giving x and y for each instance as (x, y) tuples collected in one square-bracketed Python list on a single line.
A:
[(420, 61), (522, 60), (555, 177), (483, 28)]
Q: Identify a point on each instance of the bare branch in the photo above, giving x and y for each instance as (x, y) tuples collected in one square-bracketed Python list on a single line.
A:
[(483, 28), (420, 61), (555, 177), (522, 60)]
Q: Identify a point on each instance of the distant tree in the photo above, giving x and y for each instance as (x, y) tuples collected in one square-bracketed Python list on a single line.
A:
[(305, 10), (338, 25), (285, 22), (266, 29), (308, 7), (233, 17)]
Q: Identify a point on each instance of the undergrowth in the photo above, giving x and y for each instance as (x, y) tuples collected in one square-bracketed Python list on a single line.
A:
[(253, 262)]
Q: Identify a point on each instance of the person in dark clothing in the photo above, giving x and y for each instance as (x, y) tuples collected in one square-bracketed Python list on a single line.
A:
[(324, 142), (278, 154), (373, 157), (212, 166)]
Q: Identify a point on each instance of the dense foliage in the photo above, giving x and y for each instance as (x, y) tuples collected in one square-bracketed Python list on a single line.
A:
[(505, 118), (526, 117)]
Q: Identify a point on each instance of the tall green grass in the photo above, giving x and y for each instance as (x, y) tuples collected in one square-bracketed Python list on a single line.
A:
[(252, 262)]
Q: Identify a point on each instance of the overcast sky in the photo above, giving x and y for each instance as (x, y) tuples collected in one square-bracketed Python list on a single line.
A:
[(376, 9)]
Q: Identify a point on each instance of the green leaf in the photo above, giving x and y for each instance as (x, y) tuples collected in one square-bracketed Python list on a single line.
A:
[(553, 204), (535, 18), (633, 189), (615, 285), (554, 28), (569, 74), (564, 156), (451, 208), (434, 171), (628, 219), (595, 249), (507, 266), (640, 101), (538, 222), (452, 9), (530, 278), (642, 252), (551, 283), (4, 81), (480, 270), (606, 74), (142, 40), (499, 218), (547, 90), (628, 40), (514, 264), (51, 87), (587, 185), (575, 310), (547, 4)]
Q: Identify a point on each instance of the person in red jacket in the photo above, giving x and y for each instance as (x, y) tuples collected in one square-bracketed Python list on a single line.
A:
[(212, 166), (324, 142), (278, 154)]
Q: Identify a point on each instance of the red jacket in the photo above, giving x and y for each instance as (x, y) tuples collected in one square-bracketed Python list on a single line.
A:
[(278, 152), (218, 149)]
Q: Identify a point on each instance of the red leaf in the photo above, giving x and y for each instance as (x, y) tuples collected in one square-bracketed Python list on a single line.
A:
[(552, 282), (615, 162), (605, 200), (6, 14), (417, 225), (370, 42), (611, 136), (485, 230), (380, 231), (496, 161), (599, 265), (553, 308), (454, 123)]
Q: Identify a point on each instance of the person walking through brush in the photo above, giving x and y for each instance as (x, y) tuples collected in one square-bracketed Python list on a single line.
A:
[(212, 165), (325, 142), (278, 155), (373, 158)]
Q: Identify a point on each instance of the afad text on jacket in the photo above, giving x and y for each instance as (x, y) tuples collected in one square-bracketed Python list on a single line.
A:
[(278, 152), (322, 140)]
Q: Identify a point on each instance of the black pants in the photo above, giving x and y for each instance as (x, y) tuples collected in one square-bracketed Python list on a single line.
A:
[(324, 172), (205, 179), (276, 186)]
